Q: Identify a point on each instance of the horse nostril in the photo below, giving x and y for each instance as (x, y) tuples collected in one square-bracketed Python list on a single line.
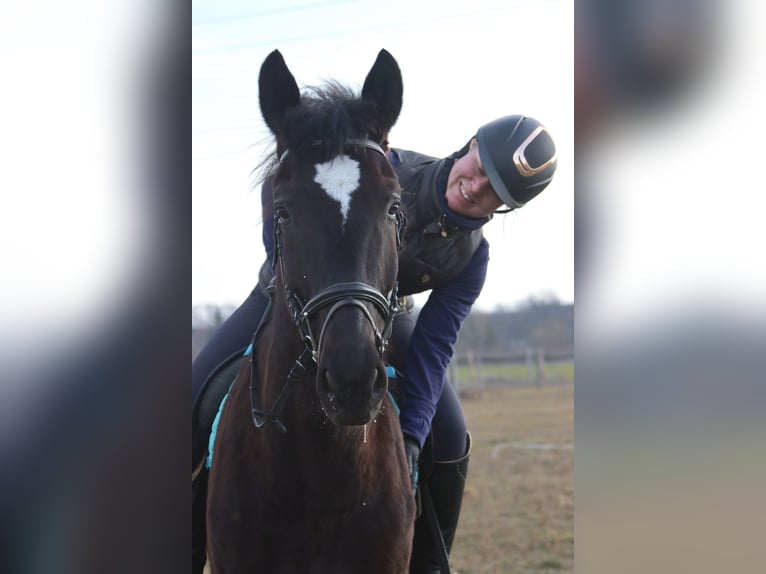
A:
[(379, 385), (327, 389)]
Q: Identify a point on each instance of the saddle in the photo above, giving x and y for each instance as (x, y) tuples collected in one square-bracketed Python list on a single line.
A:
[(213, 391), (206, 408)]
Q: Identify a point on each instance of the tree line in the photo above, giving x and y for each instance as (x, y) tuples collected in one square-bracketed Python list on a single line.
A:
[(538, 323), (541, 323)]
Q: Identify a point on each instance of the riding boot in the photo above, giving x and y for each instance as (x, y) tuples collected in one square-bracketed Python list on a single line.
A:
[(446, 484)]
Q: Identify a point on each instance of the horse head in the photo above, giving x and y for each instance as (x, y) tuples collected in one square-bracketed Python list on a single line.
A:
[(337, 227)]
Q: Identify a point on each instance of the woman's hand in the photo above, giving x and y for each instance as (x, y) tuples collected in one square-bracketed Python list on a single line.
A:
[(412, 450)]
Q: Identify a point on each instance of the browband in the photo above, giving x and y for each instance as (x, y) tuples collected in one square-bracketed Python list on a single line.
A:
[(368, 143)]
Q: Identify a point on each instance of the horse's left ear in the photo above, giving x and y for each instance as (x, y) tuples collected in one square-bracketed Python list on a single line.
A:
[(277, 90), (383, 86)]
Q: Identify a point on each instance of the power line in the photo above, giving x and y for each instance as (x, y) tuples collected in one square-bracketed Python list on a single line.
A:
[(269, 12), (306, 38), (390, 25)]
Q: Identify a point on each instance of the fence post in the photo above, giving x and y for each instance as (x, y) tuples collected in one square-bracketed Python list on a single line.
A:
[(452, 375), (474, 369), (540, 367), (479, 371), (530, 366)]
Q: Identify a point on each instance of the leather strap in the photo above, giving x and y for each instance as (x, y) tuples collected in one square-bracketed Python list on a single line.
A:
[(433, 525)]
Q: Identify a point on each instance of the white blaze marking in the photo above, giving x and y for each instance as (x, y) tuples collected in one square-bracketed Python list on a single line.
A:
[(339, 178)]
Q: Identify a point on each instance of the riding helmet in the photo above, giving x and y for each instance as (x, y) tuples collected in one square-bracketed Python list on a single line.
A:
[(519, 157)]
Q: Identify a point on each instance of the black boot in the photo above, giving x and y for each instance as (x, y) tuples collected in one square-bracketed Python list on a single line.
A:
[(446, 483)]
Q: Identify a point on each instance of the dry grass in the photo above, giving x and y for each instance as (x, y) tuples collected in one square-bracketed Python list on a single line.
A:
[(518, 508)]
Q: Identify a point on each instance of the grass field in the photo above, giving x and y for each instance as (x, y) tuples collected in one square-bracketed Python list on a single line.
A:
[(555, 371), (518, 508)]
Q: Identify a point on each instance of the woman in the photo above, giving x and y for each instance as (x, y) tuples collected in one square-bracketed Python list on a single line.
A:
[(447, 202)]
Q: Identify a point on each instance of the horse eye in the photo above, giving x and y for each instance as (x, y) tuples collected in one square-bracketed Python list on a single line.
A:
[(394, 209), (281, 214)]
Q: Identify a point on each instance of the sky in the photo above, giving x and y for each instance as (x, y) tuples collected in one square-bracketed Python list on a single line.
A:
[(463, 65)]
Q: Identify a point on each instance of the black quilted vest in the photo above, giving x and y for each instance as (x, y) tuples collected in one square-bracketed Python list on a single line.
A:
[(434, 252)]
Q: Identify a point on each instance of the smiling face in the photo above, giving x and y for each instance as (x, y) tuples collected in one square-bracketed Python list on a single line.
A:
[(469, 192)]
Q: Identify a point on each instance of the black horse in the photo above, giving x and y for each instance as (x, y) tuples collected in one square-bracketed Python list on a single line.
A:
[(309, 473)]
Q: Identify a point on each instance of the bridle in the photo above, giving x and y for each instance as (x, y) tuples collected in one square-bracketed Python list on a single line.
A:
[(339, 295), (336, 296)]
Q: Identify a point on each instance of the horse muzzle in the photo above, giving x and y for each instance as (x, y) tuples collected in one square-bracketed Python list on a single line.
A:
[(352, 397)]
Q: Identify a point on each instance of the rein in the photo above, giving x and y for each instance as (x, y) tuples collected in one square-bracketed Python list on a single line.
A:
[(337, 296)]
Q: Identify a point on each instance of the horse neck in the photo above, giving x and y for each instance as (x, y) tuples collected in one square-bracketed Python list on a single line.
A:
[(357, 458), (280, 343)]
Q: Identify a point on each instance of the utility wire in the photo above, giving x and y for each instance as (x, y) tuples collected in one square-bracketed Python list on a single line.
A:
[(391, 25), (305, 38), (268, 12)]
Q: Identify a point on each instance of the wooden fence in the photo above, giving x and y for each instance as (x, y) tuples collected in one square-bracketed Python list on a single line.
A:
[(475, 370)]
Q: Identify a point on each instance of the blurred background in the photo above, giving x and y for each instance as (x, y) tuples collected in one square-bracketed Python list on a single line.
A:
[(96, 235), (670, 286)]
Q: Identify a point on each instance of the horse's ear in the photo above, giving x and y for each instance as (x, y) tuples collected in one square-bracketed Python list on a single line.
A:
[(383, 86), (277, 90)]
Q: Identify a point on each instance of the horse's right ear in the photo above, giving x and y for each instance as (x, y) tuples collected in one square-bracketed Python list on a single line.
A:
[(277, 90), (383, 86)]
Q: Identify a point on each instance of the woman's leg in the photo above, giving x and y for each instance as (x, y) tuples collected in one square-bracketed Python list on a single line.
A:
[(233, 336), (450, 452), (448, 427)]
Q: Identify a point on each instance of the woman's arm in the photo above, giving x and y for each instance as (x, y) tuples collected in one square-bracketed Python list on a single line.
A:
[(432, 343)]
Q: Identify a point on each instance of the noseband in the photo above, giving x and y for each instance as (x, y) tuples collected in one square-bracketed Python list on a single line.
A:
[(339, 295), (336, 296)]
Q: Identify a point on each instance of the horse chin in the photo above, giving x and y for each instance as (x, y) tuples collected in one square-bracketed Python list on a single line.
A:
[(350, 419), (353, 415)]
